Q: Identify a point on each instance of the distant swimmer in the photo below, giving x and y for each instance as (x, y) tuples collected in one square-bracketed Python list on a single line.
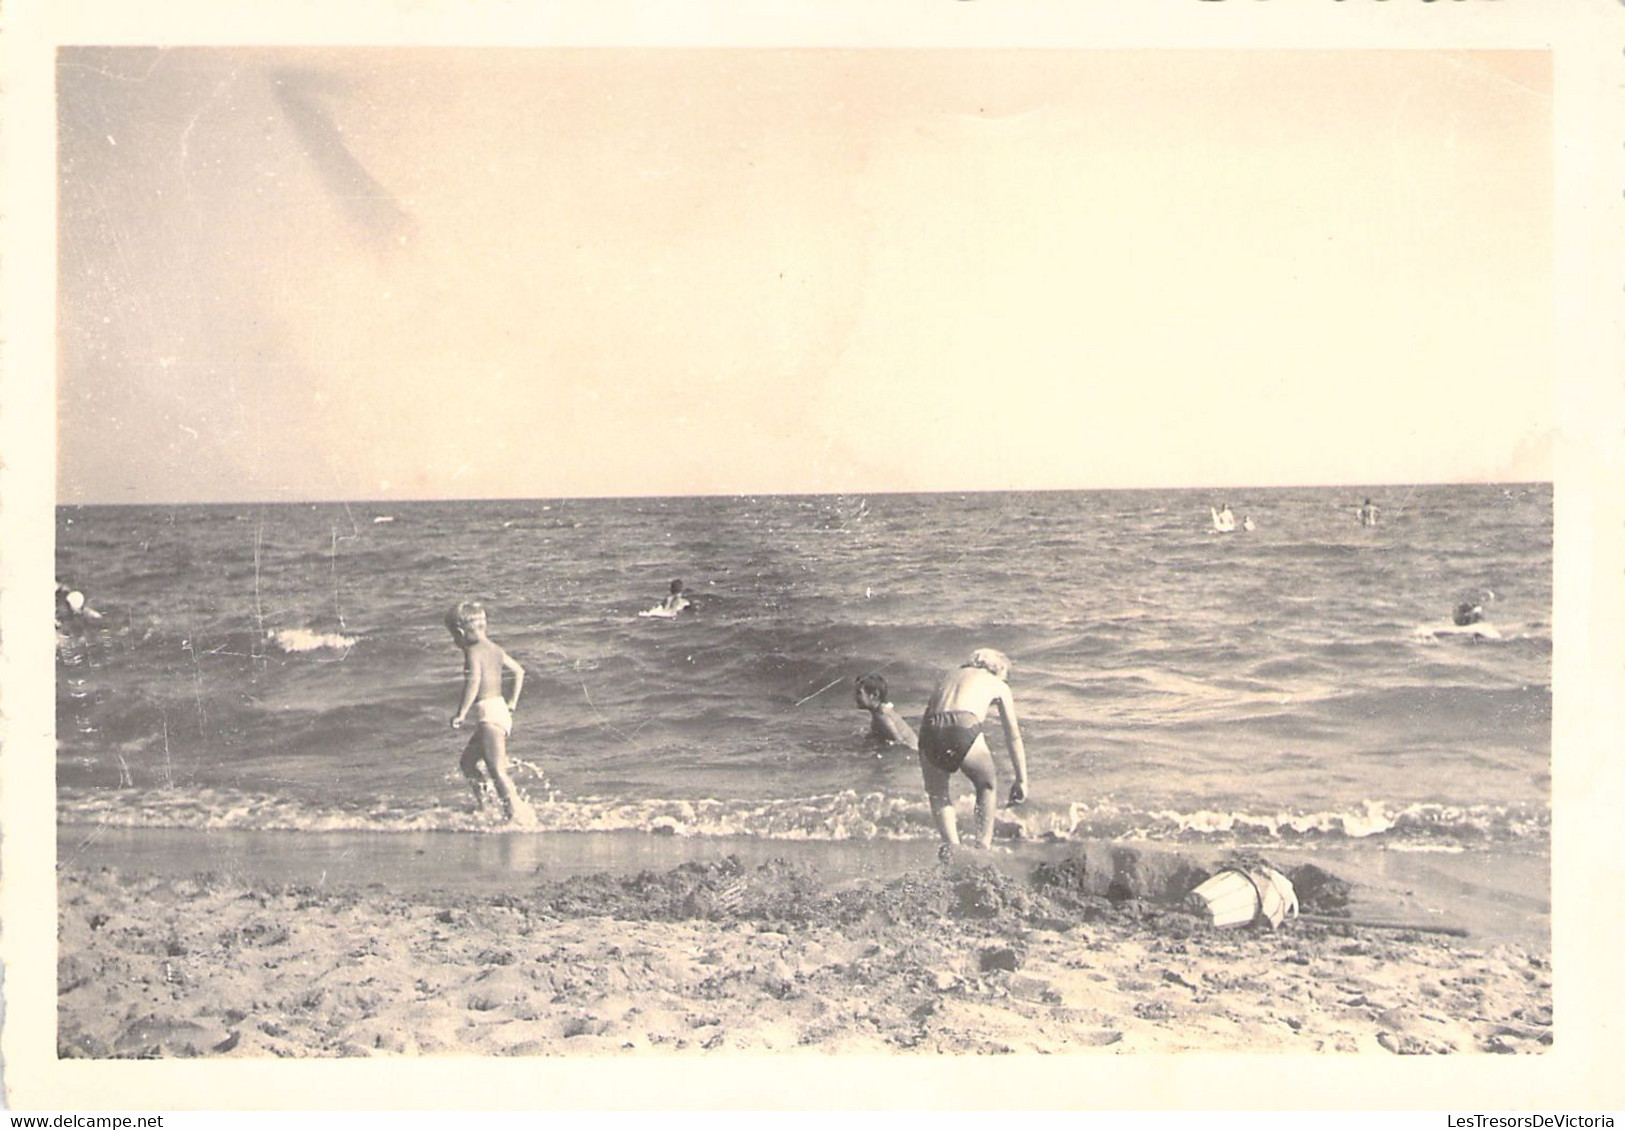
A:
[(675, 600), (1471, 611), (71, 606), (1367, 513), (951, 740), (484, 703), (1467, 621), (1247, 524), (1224, 522), (885, 724)]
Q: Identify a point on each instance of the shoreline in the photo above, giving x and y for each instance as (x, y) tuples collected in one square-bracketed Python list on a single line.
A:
[(983, 954), (1499, 899)]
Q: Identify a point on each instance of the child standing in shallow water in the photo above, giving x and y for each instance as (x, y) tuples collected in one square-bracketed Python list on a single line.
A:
[(484, 704)]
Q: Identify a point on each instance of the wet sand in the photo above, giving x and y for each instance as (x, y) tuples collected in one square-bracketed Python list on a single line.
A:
[(1088, 950)]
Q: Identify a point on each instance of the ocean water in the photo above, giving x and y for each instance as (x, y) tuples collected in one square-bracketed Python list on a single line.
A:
[(269, 667)]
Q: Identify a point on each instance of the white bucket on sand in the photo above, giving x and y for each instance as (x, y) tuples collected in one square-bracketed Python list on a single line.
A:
[(1238, 898)]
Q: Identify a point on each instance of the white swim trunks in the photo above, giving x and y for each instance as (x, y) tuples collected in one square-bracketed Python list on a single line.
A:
[(493, 710)]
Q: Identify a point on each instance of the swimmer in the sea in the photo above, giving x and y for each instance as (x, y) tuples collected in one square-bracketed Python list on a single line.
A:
[(951, 740), (1247, 524), (71, 605), (1470, 612), (885, 724), (1368, 514), (675, 600), (483, 703)]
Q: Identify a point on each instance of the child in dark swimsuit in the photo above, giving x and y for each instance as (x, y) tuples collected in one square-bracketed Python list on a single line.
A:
[(951, 741), (949, 736)]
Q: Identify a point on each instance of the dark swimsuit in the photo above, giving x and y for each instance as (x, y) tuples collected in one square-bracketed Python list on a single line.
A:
[(946, 737)]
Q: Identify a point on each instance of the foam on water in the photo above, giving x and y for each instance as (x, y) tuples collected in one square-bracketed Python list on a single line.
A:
[(292, 641), (846, 815)]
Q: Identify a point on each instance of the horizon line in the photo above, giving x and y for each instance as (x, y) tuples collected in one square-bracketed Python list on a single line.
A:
[(60, 504)]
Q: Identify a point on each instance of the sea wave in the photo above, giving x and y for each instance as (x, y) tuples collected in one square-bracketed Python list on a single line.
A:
[(846, 815)]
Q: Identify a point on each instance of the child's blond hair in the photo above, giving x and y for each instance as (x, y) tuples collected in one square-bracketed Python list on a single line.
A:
[(462, 616), (991, 660)]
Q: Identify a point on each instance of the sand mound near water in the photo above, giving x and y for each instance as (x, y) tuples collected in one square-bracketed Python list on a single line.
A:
[(1093, 951)]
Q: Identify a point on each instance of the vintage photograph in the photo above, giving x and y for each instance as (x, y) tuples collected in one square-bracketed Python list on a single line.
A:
[(677, 552)]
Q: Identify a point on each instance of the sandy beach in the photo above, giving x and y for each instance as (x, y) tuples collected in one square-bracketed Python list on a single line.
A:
[(1090, 952)]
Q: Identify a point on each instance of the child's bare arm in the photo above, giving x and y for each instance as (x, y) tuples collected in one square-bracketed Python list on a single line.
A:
[(471, 688), (1018, 752), (518, 670), (897, 730)]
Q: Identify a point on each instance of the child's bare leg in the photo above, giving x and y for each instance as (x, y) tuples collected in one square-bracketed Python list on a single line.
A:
[(942, 807), (473, 754), (496, 764), (979, 768)]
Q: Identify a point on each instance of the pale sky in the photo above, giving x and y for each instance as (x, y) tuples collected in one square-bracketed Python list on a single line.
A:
[(418, 273)]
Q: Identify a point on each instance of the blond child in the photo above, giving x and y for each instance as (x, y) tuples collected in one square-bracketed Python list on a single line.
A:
[(951, 741), (484, 704)]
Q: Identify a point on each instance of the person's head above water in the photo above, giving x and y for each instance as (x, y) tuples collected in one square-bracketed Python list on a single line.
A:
[(991, 660), (464, 618), (1471, 610), (676, 587), (870, 691)]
